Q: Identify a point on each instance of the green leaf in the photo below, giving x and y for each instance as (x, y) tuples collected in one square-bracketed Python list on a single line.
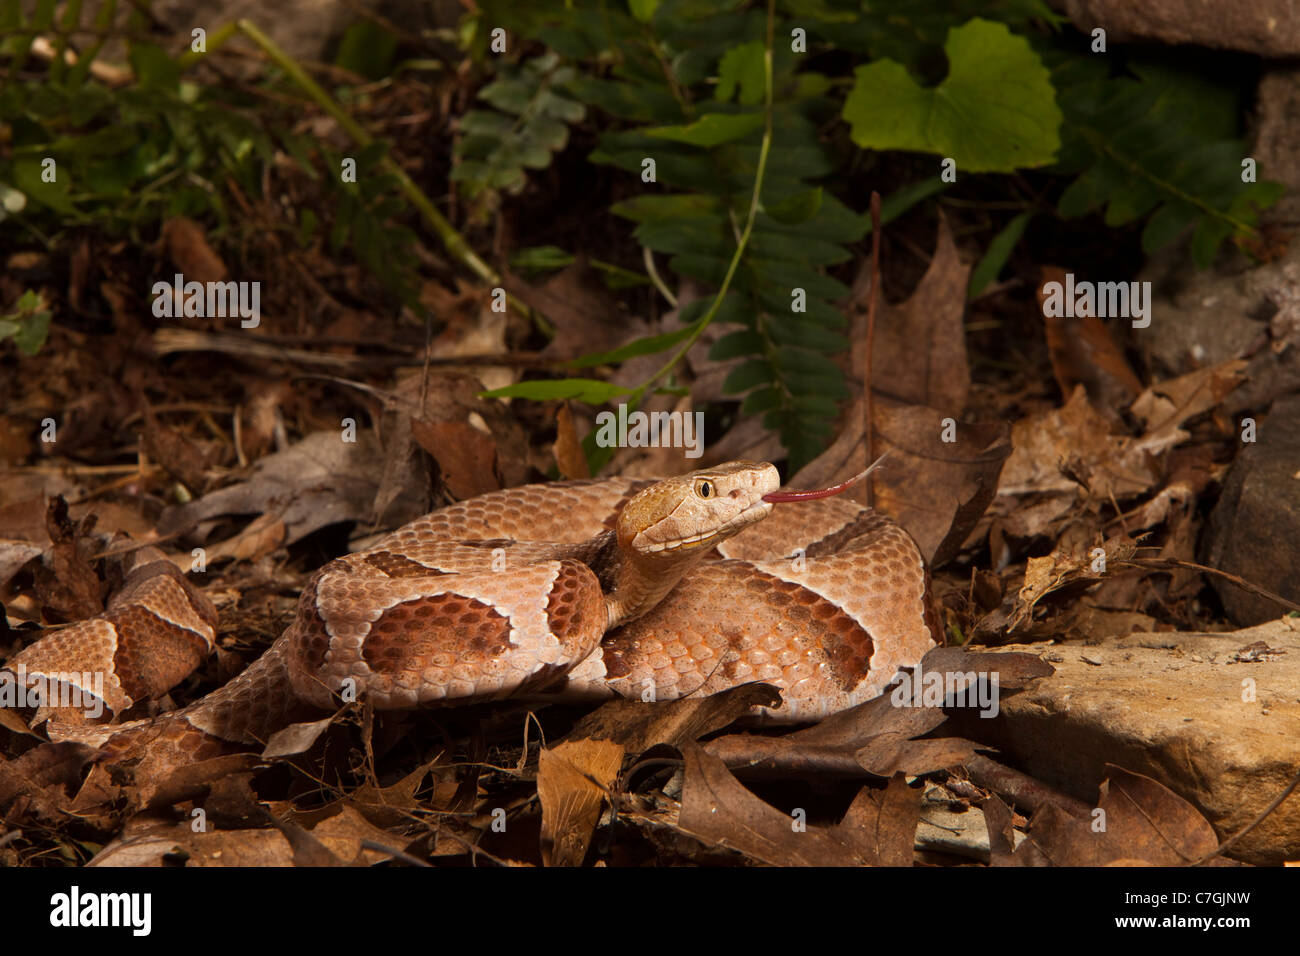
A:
[(154, 69), (646, 346), (994, 112), (796, 208), (643, 10), (901, 200), (589, 390), (761, 400), (27, 177), (29, 326), (541, 259), (1165, 225), (747, 375), (367, 49), (1206, 239), (735, 344), (711, 129), (673, 206), (999, 250), (741, 68)]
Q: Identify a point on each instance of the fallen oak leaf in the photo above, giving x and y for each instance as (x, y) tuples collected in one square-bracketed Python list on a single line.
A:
[(1141, 819), (718, 810)]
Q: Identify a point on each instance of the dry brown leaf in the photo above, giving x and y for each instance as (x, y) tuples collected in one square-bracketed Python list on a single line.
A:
[(639, 726), (393, 805), (1139, 819), (936, 489), (319, 481), (588, 317), (573, 780), (718, 810), (569, 458), (181, 458), (920, 346), (1085, 353), (890, 754), (882, 823), (186, 245), (1165, 406), (295, 738), (1061, 569), (260, 537), (67, 587), (465, 455), (1078, 438)]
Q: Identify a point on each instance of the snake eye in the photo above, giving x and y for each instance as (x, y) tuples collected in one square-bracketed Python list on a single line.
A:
[(704, 489)]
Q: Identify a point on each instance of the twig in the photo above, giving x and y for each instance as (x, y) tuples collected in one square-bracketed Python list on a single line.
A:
[(653, 273), (395, 854), (1232, 840), (1165, 564), (872, 298), (167, 341), (1021, 789)]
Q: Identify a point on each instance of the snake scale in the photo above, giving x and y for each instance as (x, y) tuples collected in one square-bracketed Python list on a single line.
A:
[(647, 589)]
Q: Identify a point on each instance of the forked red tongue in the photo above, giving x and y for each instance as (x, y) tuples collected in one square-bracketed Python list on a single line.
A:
[(778, 496)]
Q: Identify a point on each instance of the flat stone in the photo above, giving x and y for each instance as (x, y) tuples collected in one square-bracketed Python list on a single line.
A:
[(1254, 530), (1275, 140), (1264, 27), (1205, 317), (1214, 717)]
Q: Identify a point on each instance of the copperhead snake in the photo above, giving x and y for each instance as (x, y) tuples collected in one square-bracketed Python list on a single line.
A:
[(577, 589)]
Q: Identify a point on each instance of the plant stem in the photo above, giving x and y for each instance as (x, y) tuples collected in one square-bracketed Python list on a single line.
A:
[(703, 322), (452, 240)]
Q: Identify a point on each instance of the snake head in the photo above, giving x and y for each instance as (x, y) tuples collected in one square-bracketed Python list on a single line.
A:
[(692, 513)]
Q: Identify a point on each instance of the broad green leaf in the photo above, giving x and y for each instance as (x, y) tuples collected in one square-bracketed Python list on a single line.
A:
[(741, 68), (1166, 223), (29, 326), (27, 177), (761, 400), (589, 390), (747, 375), (646, 346), (367, 49), (735, 344), (643, 10), (994, 112), (154, 69), (712, 129), (541, 259), (674, 206), (508, 94), (797, 208)]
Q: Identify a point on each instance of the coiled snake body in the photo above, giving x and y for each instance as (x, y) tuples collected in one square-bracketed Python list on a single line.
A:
[(637, 588)]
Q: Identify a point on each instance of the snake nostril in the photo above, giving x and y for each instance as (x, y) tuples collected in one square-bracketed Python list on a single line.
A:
[(735, 492)]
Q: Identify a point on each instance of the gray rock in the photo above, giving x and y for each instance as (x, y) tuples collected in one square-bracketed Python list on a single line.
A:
[(1176, 707), (1254, 531), (1266, 27), (1204, 317), (1275, 139)]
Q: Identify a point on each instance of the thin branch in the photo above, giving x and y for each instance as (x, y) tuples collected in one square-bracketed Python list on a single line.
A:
[(1232, 840)]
